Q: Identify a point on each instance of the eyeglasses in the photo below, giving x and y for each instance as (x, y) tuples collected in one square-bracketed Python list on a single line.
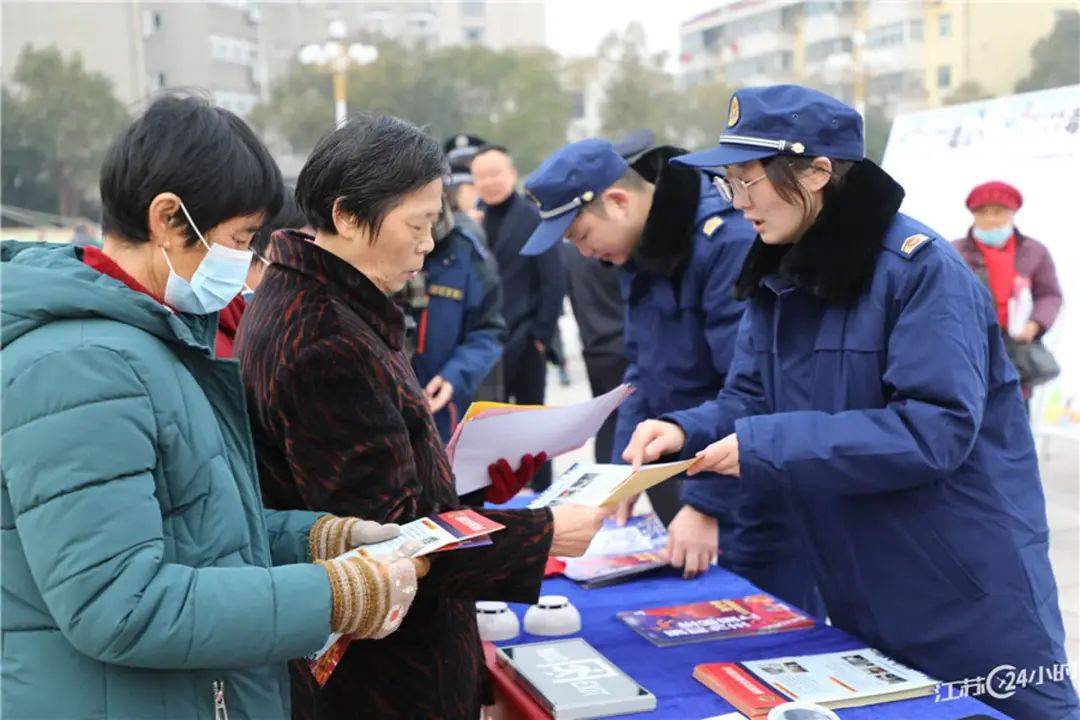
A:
[(732, 188)]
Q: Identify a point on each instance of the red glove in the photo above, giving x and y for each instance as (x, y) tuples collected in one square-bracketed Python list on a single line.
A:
[(505, 482)]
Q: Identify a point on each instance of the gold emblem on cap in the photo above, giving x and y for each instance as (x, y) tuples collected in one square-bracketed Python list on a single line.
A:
[(798, 148), (733, 112), (712, 225), (587, 196), (913, 243)]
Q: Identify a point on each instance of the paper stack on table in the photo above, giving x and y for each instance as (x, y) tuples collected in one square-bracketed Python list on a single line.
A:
[(491, 431)]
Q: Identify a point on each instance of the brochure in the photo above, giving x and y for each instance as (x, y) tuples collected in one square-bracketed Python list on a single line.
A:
[(597, 485), (618, 553), (851, 678), (715, 620), (453, 530)]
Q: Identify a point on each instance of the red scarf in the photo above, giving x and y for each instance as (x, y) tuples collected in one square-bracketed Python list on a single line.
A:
[(1000, 274)]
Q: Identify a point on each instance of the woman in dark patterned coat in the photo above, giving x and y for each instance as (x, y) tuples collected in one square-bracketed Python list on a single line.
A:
[(341, 424)]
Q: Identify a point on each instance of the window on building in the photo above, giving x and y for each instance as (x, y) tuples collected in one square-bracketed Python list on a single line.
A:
[(829, 7), (474, 34), (232, 50), (151, 22), (823, 49), (472, 8), (944, 24), (421, 23), (944, 77), (692, 43), (915, 30), (885, 35)]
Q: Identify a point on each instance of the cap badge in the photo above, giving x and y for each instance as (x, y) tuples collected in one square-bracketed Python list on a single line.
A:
[(587, 196), (461, 141), (798, 148), (733, 112)]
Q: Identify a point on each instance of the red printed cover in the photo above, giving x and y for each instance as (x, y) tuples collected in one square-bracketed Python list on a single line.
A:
[(739, 687), (465, 524), (715, 620)]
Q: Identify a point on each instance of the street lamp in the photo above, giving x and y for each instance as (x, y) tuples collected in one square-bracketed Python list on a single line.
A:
[(338, 56)]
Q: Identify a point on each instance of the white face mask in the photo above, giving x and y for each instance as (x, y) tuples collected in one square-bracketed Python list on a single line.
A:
[(217, 280)]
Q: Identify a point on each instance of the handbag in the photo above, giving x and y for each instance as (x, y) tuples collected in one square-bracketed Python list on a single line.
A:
[(1035, 364)]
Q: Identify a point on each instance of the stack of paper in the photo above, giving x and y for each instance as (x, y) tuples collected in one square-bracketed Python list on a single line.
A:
[(491, 431)]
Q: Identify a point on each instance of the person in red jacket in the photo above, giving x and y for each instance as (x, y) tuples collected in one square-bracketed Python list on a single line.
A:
[(1000, 255)]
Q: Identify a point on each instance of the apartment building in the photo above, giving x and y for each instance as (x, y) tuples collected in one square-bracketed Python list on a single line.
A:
[(893, 56)]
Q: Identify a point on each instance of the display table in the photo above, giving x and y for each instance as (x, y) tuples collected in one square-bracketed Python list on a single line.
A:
[(667, 672)]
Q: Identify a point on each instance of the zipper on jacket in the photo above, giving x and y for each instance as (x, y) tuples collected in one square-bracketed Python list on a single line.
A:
[(220, 711)]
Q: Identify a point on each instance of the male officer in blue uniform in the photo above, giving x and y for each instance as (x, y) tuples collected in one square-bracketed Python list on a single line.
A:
[(679, 246), (459, 324), (870, 386)]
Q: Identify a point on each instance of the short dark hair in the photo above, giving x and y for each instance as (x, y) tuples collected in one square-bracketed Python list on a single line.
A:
[(492, 147), (289, 217), (206, 155), (368, 165)]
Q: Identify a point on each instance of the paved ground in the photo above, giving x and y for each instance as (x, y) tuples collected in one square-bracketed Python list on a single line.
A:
[(1059, 458)]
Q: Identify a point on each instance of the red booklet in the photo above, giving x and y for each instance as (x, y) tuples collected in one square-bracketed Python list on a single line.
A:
[(740, 688), (715, 620)]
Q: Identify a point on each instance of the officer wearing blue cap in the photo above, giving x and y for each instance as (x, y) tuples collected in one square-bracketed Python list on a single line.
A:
[(870, 387), (679, 245)]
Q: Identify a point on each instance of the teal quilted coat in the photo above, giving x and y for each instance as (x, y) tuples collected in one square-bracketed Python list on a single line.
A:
[(140, 570)]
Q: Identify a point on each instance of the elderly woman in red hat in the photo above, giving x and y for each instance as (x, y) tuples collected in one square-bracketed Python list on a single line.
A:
[(1007, 261)]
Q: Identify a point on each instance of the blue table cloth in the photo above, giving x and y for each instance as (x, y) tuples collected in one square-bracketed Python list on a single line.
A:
[(668, 672)]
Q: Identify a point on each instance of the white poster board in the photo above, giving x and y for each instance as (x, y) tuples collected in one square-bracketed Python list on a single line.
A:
[(1031, 141)]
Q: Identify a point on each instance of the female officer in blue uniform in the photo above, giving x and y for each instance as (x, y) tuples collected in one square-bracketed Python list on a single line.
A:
[(871, 388)]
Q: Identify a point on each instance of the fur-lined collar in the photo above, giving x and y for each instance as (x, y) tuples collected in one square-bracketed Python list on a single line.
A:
[(668, 239), (835, 258)]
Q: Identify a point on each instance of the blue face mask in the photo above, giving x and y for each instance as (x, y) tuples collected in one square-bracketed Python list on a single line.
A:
[(217, 280), (994, 237)]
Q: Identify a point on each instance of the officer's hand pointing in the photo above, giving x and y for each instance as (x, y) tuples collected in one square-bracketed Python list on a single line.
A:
[(651, 440), (438, 392), (722, 457)]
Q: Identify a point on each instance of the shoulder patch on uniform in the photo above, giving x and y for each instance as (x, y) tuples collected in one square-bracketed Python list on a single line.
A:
[(712, 225), (912, 243), (445, 291)]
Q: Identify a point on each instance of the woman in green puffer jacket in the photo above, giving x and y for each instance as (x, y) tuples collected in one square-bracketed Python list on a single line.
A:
[(142, 577)]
